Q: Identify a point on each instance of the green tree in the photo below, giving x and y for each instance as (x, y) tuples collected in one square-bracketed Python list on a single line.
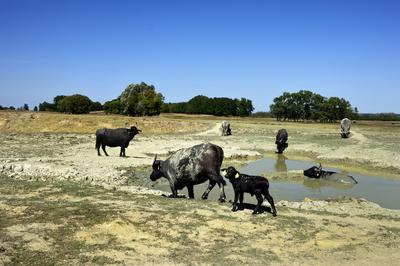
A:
[(113, 107), (25, 107), (96, 106), (244, 107), (35, 109), (141, 99), (57, 101), (200, 105)]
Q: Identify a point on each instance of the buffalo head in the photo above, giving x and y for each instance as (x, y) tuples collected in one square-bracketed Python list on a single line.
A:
[(313, 172), (156, 174), (230, 173), (134, 130)]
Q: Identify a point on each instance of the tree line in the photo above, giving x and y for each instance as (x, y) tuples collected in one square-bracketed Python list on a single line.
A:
[(143, 100), (380, 117), (25, 107), (219, 106), (306, 105)]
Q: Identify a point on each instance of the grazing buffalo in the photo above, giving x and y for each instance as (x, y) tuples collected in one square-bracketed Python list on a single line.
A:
[(192, 166), (119, 137), (281, 140), (318, 173), (255, 185), (226, 128), (345, 127)]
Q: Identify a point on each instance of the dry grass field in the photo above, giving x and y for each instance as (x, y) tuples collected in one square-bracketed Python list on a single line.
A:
[(62, 204)]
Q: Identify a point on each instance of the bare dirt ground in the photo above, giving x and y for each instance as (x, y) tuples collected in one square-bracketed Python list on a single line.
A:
[(103, 217)]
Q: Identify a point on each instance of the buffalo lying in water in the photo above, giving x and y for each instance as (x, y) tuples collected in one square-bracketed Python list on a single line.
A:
[(318, 173)]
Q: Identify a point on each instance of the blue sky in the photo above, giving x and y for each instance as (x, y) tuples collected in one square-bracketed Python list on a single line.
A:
[(252, 49)]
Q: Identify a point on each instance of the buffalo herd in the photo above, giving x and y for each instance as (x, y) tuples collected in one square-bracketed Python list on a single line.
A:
[(200, 163)]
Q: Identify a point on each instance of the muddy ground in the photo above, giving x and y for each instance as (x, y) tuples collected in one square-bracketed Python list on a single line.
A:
[(61, 203)]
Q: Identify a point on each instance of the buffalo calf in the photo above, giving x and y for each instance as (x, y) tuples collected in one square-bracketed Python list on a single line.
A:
[(255, 185)]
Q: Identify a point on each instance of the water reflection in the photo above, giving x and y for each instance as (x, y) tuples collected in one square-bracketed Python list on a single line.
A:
[(317, 184), (280, 164)]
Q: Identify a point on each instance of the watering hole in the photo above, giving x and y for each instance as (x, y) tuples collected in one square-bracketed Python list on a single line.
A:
[(379, 189)]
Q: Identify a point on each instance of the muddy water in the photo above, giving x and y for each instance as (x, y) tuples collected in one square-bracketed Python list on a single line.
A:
[(378, 189)]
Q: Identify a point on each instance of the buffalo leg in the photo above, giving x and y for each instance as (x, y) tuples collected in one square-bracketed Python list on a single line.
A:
[(122, 152), (271, 202), (209, 188), (103, 147), (190, 191), (173, 191), (241, 199), (222, 196), (259, 202), (235, 206), (221, 182), (98, 150)]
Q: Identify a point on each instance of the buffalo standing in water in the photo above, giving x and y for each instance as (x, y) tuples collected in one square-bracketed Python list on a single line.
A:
[(119, 137), (192, 166), (281, 140), (345, 127)]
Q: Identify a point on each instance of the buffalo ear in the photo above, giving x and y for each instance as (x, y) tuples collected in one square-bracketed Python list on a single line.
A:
[(237, 175), (223, 172)]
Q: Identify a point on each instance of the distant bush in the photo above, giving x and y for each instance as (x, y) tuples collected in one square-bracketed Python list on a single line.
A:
[(74, 104), (222, 106), (380, 117), (48, 107)]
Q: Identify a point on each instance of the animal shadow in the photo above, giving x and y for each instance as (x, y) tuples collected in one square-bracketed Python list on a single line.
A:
[(249, 206)]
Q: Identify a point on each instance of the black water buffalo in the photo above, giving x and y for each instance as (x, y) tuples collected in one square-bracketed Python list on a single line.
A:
[(255, 185), (281, 140), (192, 166), (226, 128), (119, 137), (345, 127), (318, 173)]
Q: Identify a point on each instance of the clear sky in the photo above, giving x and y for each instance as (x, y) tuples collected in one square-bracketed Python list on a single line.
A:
[(252, 49)]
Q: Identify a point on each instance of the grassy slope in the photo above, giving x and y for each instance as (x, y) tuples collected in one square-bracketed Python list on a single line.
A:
[(70, 223)]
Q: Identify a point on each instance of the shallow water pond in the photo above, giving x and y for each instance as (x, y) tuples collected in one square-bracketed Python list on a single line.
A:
[(378, 189)]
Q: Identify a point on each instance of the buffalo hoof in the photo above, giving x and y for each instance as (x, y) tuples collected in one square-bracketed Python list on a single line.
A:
[(235, 208), (274, 214), (221, 200), (204, 197)]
